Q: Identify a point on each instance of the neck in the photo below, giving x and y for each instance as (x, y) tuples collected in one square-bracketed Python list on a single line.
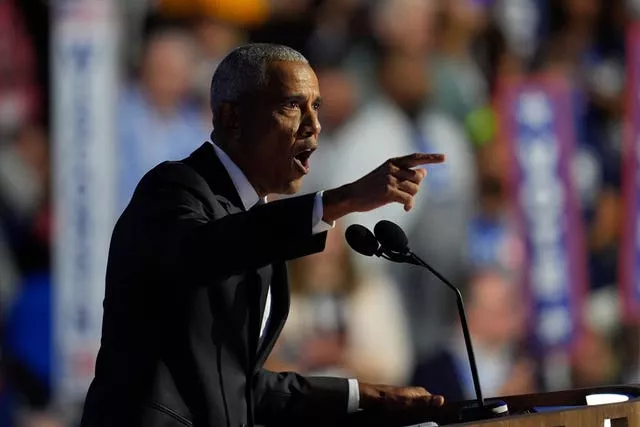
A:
[(244, 162)]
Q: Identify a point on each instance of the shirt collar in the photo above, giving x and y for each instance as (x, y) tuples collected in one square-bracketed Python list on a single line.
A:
[(247, 193)]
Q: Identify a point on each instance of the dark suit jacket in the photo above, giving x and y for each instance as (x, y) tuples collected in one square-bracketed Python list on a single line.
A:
[(187, 279)]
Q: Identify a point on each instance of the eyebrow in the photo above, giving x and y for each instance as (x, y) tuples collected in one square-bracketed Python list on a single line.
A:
[(299, 96)]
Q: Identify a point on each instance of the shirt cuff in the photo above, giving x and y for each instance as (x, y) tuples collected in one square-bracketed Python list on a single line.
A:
[(353, 405), (317, 224)]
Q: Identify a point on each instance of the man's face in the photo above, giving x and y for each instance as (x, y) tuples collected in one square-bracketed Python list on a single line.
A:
[(280, 128)]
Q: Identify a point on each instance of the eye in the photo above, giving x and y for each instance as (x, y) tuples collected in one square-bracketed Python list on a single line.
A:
[(316, 106), (292, 104)]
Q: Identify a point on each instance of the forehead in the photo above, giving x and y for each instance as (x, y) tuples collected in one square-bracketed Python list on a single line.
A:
[(291, 78)]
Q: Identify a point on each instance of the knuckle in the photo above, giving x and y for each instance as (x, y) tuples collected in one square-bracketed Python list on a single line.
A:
[(390, 166), (389, 188)]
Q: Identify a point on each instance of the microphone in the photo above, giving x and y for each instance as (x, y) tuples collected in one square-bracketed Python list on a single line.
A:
[(362, 240), (391, 236), (395, 245)]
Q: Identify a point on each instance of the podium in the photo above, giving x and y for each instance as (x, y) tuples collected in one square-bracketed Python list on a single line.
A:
[(555, 409), (559, 409)]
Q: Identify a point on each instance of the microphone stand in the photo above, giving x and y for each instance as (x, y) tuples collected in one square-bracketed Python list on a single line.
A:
[(480, 409), (465, 327)]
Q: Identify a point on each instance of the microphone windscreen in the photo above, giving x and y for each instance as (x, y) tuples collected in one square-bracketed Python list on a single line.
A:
[(361, 239), (391, 236)]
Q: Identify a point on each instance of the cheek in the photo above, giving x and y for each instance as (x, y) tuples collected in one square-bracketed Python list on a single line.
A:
[(286, 125)]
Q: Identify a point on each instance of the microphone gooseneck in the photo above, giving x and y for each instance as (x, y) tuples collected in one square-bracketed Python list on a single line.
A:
[(463, 321), (394, 242)]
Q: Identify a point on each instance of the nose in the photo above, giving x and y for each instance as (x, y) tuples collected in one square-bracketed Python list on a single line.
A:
[(310, 125)]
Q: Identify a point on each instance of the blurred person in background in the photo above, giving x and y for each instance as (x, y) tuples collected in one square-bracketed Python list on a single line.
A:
[(25, 213), (343, 321), (213, 38), (20, 95), (157, 119), (496, 317), (400, 118), (336, 24), (593, 361), (402, 26), (459, 86), (493, 236), (25, 195)]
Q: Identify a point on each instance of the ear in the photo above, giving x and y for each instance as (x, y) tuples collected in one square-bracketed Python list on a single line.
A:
[(227, 121)]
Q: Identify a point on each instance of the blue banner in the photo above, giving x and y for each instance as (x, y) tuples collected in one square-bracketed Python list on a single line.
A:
[(630, 241), (537, 126)]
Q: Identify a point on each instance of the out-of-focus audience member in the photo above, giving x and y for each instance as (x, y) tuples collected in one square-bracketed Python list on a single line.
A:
[(24, 172), (214, 39), (405, 27), (593, 362), (25, 202), (493, 239), (343, 321), (335, 26), (400, 119), (20, 99), (157, 120), (496, 317), (459, 86)]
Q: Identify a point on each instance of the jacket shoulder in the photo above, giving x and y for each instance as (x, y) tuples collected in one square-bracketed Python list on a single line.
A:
[(179, 176)]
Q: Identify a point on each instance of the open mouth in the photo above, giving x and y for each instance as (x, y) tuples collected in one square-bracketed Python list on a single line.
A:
[(302, 160)]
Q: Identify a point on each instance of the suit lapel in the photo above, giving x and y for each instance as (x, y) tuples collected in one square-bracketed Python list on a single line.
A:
[(280, 301)]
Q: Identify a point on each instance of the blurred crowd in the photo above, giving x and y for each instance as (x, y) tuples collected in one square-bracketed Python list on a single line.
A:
[(397, 76)]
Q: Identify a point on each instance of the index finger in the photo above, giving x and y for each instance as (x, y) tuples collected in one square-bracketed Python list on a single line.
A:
[(416, 159)]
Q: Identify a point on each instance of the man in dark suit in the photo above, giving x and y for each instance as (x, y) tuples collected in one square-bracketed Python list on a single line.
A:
[(196, 287)]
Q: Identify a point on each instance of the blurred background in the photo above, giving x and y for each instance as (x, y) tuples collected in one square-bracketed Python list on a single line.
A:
[(534, 215)]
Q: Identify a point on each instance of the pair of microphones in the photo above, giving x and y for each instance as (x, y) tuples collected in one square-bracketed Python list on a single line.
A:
[(390, 242)]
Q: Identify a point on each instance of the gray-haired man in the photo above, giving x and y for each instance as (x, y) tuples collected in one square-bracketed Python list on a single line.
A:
[(197, 292)]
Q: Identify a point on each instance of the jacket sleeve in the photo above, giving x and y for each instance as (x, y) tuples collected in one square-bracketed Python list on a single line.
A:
[(287, 398), (187, 240)]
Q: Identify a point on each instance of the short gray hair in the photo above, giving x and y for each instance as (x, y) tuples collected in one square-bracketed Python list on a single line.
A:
[(243, 70)]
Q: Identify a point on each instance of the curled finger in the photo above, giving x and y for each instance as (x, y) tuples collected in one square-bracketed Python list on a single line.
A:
[(408, 187), (413, 175), (397, 195)]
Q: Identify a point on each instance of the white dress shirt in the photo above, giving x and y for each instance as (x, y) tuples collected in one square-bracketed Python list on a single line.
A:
[(250, 198)]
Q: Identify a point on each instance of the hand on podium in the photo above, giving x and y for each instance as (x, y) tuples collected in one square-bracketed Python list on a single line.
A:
[(396, 406)]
